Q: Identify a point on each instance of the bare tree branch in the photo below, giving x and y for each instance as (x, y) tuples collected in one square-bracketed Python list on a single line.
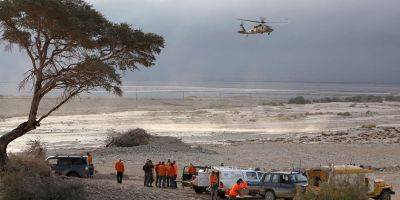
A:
[(59, 105)]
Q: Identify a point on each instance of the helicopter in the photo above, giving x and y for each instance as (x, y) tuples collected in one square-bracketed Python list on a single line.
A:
[(261, 27)]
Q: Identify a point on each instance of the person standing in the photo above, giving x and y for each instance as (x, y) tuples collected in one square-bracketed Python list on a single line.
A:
[(175, 165), (146, 174), (213, 185), (156, 169), (120, 168), (171, 176), (89, 161), (151, 174), (162, 173), (168, 169)]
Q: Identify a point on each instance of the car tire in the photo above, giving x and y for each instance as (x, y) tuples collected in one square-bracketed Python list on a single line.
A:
[(198, 190), (269, 195), (73, 174), (385, 195)]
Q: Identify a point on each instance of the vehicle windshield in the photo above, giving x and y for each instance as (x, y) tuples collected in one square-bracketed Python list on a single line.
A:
[(298, 178), (251, 175)]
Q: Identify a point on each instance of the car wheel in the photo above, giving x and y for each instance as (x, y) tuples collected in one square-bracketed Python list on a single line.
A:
[(73, 174), (198, 190), (385, 195), (269, 195)]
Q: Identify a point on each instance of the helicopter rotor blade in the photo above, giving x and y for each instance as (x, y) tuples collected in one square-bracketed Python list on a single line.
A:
[(251, 21)]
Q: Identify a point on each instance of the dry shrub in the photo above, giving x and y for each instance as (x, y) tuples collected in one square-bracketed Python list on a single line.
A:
[(36, 149), (19, 186), (31, 161), (271, 103), (369, 125), (299, 100), (339, 190), (131, 138), (28, 165), (344, 114), (28, 177)]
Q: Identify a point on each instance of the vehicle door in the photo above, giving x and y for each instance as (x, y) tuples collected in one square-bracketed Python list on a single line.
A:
[(63, 166), (276, 185), (79, 166), (264, 183), (287, 186)]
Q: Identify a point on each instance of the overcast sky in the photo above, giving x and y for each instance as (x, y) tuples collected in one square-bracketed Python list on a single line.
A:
[(325, 40)]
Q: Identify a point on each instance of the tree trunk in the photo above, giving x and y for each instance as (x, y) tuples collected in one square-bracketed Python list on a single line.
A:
[(9, 137)]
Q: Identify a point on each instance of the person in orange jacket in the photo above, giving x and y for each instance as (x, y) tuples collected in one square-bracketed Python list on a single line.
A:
[(214, 185), (162, 172), (234, 191), (168, 169), (175, 174), (243, 185), (191, 170), (89, 161), (156, 167), (120, 168)]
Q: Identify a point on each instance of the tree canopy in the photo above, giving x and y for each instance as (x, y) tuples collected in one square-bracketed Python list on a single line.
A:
[(73, 49)]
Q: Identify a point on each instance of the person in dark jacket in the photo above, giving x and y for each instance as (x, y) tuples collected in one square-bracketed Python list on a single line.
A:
[(148, 173)]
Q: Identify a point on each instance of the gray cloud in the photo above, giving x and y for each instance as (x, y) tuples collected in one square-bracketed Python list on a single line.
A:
[(330, 40)]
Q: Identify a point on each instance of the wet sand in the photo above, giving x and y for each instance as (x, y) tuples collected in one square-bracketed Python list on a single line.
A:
[(87, 122)]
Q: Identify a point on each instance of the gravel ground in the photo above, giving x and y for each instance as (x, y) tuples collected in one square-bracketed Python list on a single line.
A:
[(109, 189), (269, 155)]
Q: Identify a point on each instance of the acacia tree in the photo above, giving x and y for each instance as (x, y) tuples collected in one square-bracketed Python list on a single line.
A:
[(73, 49)]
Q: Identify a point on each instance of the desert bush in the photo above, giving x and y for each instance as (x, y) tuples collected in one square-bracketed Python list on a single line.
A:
[(135, 137), (28, 177), (344, 114), (339, 190), (328, 100), (392, 98), (369, 125), (299, 100), (364, 98), (20, 186), (358, 98), (270, 103), (31, 161), (36, 149)]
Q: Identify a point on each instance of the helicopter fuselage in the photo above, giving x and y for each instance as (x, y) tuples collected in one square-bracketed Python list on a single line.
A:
[(258, 29)]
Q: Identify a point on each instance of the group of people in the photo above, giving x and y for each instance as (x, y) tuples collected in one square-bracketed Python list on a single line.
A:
[(166, 174)]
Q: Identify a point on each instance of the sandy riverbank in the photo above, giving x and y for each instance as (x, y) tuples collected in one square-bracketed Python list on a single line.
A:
[(86, 122)]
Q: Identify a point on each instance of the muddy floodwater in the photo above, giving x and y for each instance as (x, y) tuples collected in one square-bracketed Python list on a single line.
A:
[(87, 122)]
